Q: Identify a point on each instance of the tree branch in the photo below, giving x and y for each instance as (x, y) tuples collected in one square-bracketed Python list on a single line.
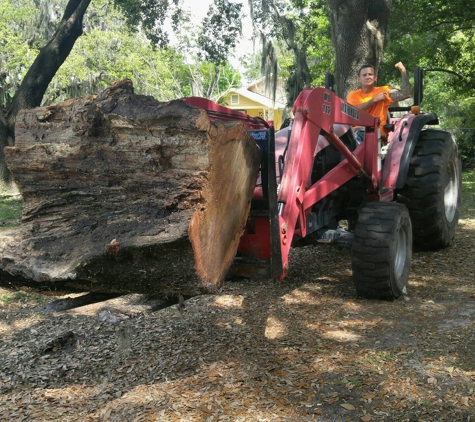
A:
[(458, 75)]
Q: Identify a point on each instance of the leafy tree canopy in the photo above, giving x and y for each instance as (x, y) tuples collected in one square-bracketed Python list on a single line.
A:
[(439, 36), (110, 49), (221, 28), (436, 35), (150, 15), (17, 30)]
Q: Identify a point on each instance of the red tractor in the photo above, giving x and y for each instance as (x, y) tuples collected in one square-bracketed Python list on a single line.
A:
[(314, 176)]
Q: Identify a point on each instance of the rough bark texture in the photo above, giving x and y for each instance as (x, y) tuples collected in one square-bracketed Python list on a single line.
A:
[(358, 32), (126, 194)]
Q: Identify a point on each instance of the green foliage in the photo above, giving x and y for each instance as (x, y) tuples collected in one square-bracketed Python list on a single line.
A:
[(316, 36), (100, 58), (251, 64), (21, 297), (10, 211), (213, 79), (438, 36), (468, 182), (296, 41), (455, 111), (109, 50), (221, 29), (149, 15), (17, 25), (435, 35)]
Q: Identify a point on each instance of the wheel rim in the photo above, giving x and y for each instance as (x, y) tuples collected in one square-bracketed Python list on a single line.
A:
[(451, 192), (401, 253)]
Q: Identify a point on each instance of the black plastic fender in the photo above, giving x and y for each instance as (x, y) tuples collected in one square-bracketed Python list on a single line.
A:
[(419, 122)]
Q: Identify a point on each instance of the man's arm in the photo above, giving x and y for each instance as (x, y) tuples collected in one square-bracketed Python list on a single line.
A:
[(405, 91)]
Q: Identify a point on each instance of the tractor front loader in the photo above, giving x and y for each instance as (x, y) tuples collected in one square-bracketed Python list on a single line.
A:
[(314, 175)]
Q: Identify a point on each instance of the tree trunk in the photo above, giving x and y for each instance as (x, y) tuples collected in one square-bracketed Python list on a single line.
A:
[(126, 194), (39, 75), (5, 173), (358, 31)]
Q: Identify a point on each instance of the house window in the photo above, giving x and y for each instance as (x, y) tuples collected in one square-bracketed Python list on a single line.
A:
[(234, 99)]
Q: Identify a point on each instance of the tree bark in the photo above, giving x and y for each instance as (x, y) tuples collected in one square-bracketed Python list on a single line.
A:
[(126, 194), (358, 32)]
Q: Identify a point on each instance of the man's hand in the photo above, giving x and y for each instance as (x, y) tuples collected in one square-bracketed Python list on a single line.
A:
[(399, 66), (380, 96)]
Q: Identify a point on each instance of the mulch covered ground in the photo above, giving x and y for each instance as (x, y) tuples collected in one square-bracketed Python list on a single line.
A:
[(303, 349)]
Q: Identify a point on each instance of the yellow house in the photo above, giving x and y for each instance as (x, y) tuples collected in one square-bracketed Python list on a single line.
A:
[(254, 101)]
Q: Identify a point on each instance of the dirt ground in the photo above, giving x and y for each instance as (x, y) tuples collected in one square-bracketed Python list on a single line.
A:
[(305, 349)]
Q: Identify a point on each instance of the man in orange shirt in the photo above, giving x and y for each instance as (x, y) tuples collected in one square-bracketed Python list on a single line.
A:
[(375, 100)]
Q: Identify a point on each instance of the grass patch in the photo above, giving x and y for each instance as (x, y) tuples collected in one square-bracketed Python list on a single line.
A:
[(468, 182), (10, 211), (20, 297)]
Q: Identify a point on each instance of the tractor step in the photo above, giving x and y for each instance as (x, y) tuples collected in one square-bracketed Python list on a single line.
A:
[(339, 236)]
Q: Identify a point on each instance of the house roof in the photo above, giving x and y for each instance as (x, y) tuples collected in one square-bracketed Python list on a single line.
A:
[(261, 99)]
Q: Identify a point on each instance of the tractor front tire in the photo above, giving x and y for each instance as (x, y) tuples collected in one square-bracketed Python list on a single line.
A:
[(382, 250), (432, 192)]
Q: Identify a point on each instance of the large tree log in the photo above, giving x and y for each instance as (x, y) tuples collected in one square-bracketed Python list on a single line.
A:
[(126, 194)]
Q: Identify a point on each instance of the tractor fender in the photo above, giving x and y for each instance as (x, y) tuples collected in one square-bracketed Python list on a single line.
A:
[(402, 142)]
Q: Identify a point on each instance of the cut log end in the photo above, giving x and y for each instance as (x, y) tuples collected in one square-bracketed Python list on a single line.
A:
[(126, 194), (216, 229)]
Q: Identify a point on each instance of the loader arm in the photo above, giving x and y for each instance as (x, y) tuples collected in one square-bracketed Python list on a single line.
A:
[(280, 210), (316, 112)]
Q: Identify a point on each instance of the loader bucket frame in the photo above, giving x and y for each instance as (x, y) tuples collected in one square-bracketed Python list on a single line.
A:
[(259, 253)]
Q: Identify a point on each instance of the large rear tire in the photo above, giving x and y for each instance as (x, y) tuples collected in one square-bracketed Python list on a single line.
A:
[(382, 250), (432, 192)]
